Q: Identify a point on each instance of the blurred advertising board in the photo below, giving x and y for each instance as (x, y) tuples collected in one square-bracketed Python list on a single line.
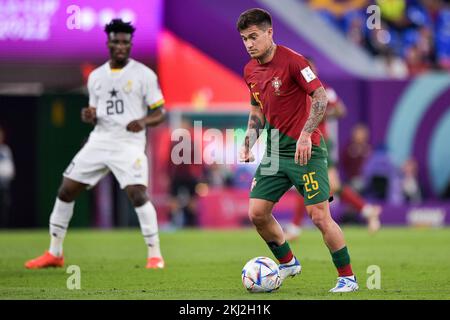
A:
[(69, 31)]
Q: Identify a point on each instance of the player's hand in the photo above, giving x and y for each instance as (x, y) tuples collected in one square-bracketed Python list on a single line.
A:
[(89, 115), (136, 126), (304, 146), (246, 155)]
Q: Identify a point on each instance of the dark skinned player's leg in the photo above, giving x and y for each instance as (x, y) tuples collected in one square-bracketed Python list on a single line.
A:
[(70, 189), (59, 223), (62, 213), (148, 222), (137, 195)]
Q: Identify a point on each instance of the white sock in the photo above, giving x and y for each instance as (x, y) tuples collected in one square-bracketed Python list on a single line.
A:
[(149, 227), (59, 222), (56, 246)]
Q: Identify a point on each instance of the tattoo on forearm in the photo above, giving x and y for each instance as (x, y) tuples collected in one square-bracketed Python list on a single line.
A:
[(255, 126), (318, 108)]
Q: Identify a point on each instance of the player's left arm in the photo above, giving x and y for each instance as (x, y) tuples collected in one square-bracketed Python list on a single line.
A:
[(318, 108), (302, 73), (154, 99), (153, 118)]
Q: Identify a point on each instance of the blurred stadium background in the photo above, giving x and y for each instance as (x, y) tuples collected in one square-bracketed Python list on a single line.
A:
[(394, 81)]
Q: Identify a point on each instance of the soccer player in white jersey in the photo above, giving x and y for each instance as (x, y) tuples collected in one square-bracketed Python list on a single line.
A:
[(124, 99)]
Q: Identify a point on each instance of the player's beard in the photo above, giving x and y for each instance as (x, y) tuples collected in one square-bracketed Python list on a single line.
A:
[(267, 53), (121, 60)]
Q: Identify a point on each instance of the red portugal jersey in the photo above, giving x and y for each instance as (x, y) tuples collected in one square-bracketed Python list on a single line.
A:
[(281, 88)]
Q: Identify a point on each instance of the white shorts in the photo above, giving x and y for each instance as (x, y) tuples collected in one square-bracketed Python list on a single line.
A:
[(128, 164)]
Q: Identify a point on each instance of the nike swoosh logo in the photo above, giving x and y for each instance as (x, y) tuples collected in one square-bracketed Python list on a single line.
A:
[(252, 85), (310, 196)]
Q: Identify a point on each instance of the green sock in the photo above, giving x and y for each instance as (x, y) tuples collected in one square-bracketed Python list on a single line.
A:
[(282, 252), (341, 258)]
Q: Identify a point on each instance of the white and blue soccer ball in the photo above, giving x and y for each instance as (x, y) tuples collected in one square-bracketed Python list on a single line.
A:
[(261, 274)]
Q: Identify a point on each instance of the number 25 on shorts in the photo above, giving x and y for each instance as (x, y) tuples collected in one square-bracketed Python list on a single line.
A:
[(310, 183)]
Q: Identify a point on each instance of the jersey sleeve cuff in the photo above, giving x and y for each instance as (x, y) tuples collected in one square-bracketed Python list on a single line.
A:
[(316, 84), (156, 104)]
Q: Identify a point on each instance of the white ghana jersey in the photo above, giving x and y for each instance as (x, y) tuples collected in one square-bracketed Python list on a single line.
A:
[(120, 97)]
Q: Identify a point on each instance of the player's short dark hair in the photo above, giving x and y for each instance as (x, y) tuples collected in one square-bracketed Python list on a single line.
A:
[(117, 25), (254, 17)]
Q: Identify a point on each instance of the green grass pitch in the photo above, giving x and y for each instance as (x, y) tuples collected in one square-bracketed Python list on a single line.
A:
[(206, 265)]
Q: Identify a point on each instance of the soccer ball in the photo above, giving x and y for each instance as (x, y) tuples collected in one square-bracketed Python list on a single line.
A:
[(261, 274)]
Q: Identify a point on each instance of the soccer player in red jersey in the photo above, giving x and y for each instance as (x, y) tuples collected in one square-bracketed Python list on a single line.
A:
[(335, 110), (289, 100)]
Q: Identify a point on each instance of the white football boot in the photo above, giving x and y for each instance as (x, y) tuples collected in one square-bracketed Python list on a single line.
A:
[(290, 269), (345, 284)]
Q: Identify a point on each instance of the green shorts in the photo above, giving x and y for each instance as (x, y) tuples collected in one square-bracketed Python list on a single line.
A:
[(330, 146), (271, 181)]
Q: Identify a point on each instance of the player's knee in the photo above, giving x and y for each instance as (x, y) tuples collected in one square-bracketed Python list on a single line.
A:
[(320, 222), (65, 194), (137, 197), (319, 216), (258, 217)]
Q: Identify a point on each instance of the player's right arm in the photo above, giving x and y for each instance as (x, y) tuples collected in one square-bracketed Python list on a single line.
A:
[(88, 114), (309, 82), (319, 102), (256, 122), (154, 99)]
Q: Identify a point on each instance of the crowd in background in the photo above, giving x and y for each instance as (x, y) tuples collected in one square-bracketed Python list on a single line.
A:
[(414, 35), (371, 171)]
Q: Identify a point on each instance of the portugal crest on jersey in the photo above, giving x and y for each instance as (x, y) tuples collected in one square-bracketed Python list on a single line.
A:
[(276, 83)]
